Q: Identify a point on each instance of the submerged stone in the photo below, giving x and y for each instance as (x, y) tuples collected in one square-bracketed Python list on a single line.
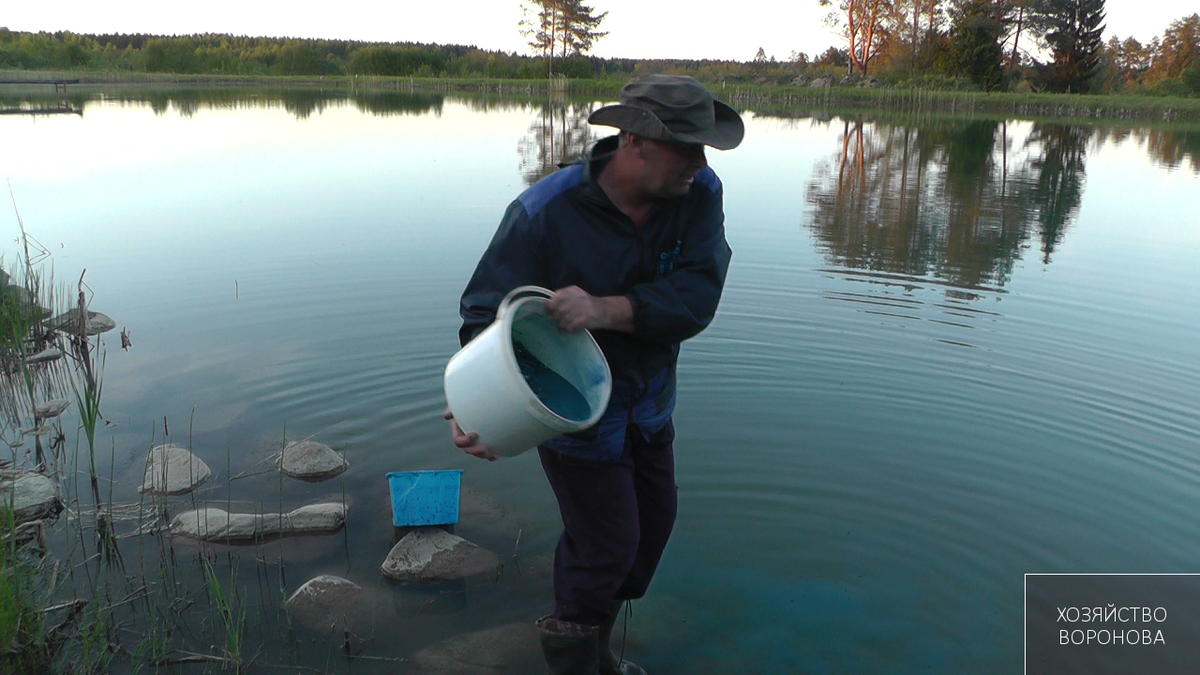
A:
[(432, 554), (511, 648), (213, 524), (51, 408), (32, 495), (173, 470), (68, 322), (311, 461), (324, 599)]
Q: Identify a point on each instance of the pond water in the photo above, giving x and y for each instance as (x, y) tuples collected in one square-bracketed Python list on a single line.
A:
[(951, 351)]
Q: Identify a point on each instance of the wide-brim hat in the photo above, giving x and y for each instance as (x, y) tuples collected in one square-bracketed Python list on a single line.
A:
[(673, 108)]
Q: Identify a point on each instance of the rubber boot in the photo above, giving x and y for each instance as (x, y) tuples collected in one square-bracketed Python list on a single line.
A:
[(569, 648), (607, 662)]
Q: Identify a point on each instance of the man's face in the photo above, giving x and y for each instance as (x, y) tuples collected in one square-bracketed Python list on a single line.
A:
[(670, 168)]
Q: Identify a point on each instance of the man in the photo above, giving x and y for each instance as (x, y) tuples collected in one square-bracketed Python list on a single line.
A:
[(632, 238)]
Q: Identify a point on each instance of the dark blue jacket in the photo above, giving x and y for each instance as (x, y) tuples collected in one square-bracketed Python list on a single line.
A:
[(564, 231)]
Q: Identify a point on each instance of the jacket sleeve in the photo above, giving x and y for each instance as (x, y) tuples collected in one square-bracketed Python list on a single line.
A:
[(682, 303), (513, 258)]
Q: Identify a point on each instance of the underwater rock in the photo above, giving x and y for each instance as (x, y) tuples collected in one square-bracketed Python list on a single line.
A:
[(483, 513), (323, 599), (433, 554), (32, 495), (173, 470), (52, 408), (311, 461), (213, 524), (68, 322), (511, 648)]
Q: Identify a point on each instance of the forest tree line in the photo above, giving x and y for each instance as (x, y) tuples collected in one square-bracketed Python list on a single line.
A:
[(221, 54), (933, 44), (1039, 45)]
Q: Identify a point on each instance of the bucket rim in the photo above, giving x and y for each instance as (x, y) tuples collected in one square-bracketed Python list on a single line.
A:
[(421, 471)]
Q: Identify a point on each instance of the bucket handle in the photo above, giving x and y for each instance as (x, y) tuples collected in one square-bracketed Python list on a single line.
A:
[(522, 291)]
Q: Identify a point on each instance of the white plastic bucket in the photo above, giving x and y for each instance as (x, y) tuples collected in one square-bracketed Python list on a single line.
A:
[(487, 391)]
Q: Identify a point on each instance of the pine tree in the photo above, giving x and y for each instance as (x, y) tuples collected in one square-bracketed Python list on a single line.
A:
[(565, 27), (579, 27), (975, 52), (1072, 29)]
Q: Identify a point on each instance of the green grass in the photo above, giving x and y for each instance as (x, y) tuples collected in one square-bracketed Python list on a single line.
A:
[(23, 646), (1022, 104), (1059, 105), (232, 621), (1012, 103)]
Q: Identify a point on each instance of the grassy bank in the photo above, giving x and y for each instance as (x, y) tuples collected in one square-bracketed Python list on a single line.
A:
[(745, 96), (1014, 104)]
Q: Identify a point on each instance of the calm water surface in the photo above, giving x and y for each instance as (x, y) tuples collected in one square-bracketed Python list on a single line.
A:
[(951, 351)]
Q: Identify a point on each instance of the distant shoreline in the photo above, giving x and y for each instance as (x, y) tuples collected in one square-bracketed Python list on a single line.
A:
[(1074, 106)]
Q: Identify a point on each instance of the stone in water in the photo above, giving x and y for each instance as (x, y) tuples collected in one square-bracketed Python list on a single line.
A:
[(68, 322), (52, 408), (46, 355), (32, 495), (311, 461), (173, 470), (432, 554), (213, 524)]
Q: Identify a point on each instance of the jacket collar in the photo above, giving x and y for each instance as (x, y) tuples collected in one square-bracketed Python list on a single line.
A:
[(594, 160)]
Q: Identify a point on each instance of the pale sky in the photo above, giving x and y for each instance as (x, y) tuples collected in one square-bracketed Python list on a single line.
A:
[(637, 28)]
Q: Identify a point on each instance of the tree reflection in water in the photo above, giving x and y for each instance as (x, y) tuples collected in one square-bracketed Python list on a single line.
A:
[(947, 199), (558, 135)]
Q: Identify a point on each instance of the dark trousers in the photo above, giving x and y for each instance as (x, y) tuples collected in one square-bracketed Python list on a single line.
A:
[(617, 517)]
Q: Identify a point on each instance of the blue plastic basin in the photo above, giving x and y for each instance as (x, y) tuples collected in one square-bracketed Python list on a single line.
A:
[(425, 497)]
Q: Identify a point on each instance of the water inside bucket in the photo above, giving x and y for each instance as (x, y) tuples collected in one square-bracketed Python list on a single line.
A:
[(552, 389)]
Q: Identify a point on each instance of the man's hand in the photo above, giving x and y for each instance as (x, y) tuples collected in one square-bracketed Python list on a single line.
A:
[(574, 309), (468, 442)]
